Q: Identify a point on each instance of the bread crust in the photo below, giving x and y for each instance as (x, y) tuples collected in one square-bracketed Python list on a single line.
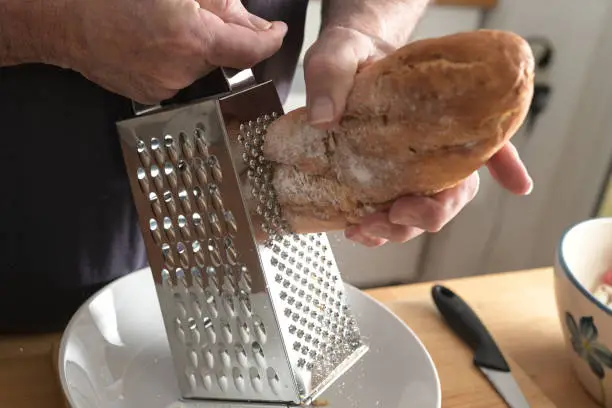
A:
[(417, 122)]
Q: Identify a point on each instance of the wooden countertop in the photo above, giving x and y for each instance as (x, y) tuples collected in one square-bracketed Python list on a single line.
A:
[(517, 307), (519, 310)]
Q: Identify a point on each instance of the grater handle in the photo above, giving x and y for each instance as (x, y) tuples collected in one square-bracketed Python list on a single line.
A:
[(220, 81)]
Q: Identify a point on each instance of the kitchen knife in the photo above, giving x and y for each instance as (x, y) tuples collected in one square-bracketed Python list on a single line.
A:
[(487, 356)]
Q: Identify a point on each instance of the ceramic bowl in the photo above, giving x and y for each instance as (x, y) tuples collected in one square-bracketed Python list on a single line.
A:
[(583, 255)]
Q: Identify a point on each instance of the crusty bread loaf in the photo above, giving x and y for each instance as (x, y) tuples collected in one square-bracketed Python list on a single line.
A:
[(416, 122)]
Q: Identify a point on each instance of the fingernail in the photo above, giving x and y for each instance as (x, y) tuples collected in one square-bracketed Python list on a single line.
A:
[(322, 110), (382, 231), (530, 187), (259, 23), (367, 240)]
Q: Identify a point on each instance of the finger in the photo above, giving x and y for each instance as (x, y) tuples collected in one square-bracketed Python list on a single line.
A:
[(233, 11), (507, 168), (329, 71), (433, 213), (354, 234), (235, 46), (379, 226)]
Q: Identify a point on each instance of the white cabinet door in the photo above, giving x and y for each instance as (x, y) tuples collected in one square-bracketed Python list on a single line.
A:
[(392, 263), (567, 153)]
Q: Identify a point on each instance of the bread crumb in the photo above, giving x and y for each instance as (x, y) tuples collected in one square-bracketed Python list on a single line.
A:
[(359, 170)]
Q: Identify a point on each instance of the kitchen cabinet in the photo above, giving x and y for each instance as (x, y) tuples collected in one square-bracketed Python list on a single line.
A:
[(567, 153)]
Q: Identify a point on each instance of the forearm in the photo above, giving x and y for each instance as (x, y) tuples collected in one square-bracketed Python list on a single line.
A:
[(32, 31), (391, 20)]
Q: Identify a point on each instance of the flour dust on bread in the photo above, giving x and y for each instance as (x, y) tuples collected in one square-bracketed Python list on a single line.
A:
[(417, 122)]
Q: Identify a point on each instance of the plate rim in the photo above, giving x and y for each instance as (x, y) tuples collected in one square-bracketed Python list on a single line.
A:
[(77, 315)]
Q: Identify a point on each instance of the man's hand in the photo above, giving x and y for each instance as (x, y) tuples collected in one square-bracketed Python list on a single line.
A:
[(349, 40), (146, 50), (150, 49)]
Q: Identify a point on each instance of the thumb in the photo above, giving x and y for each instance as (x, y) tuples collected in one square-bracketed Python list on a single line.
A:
[(233, 11), (237, 46), (329, 71)]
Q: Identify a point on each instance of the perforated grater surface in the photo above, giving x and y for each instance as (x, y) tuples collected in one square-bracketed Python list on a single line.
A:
[(248, 320)]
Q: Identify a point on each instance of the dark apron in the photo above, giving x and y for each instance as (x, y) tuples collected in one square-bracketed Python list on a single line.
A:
[(67, 222)]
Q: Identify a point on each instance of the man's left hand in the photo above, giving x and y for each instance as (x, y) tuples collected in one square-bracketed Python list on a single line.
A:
[(330, 68)]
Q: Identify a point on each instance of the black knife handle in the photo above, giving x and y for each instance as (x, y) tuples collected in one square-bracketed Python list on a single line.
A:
[(464, 322)]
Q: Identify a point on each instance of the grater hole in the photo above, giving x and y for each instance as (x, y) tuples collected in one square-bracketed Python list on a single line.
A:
[(213, 283), (245, 303), (244, 330), (211, 334), (215, 168), (228, 302), (191, 379), (181, 221), (273, 379), (168, 141), (200, 141), (209, 358), (238, 379), (245, 279), (215, 195), (260, 329), (257, 349), (201, 172), (166, 278), (229, 284), (225, 358), (222, 380), (200, 198), (227, 332), (193, 358), (154, 171), (180, 275), (214, 252), (155, 145), (241, 355), (195, 304), (256, 382), (187, 147), (230, 251), (167, 254), (184, 199), (230, 222)]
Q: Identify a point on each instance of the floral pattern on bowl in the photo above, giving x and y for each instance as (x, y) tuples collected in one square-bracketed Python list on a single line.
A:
[(584, 339)]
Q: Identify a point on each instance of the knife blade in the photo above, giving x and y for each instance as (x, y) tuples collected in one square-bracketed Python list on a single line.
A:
[(488, 358)]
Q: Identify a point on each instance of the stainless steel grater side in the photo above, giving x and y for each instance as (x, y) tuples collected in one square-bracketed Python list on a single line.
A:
[(248, 320)]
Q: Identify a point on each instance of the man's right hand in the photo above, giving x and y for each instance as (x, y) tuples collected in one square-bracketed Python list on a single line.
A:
[(148, 50)]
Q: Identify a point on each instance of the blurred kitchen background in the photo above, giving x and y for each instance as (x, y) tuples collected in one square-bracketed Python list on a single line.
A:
[(566, 145)]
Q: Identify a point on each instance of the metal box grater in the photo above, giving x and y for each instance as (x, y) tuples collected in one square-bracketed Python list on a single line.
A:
[(249, 319)]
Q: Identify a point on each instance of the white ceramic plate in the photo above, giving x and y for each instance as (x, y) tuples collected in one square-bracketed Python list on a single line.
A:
[(114, 354)]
